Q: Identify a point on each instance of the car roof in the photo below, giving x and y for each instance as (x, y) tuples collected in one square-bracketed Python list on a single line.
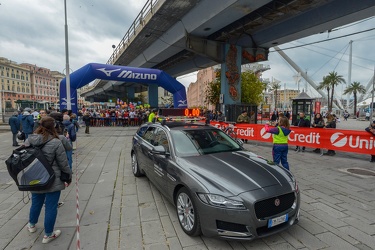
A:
[(183, 125)]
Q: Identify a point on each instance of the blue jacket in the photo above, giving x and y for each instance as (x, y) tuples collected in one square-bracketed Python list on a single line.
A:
[(27, 122), (69, 126), (14, 124)]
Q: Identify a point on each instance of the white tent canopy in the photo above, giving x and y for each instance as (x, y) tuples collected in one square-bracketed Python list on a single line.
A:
[(364, 103)]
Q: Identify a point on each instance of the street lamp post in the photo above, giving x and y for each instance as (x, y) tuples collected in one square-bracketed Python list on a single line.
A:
[(2, 106), (68, 100)]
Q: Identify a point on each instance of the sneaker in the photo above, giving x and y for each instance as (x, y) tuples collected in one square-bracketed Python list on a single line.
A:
[(31, 229), (60, 204), (47, 239)]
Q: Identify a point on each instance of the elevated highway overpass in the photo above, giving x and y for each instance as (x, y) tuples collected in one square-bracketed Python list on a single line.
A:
[(180, 36)]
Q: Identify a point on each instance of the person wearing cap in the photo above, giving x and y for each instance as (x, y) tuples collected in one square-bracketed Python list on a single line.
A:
[(371, 129), (14, 124), (27, 122)]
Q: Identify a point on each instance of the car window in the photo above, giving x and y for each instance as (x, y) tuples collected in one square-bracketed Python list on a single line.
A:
[(141, 131), (149, 135), (202, 141), (161, 139)]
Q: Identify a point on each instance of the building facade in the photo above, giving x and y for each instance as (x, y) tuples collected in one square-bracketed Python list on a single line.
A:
[(26, 85), (196, 92)]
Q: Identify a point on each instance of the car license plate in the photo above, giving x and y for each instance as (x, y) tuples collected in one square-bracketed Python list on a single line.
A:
[(278, 220)]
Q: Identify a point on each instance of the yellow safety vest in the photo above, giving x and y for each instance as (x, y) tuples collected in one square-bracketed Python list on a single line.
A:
[(280, 138)]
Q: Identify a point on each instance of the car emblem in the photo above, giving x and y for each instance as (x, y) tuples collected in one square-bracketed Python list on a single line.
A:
[(277, 202)]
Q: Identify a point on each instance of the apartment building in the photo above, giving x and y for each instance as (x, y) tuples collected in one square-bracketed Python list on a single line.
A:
[(196, 92), (28, 85)]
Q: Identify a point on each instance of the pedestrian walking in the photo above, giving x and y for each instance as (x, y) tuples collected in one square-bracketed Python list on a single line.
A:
[(280, 141), (14, 124), (70, 134), (27, 122), (55, 154), (87, 120)]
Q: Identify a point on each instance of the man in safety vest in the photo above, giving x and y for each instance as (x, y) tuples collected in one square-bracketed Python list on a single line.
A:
[(152, 115), (280, 141)]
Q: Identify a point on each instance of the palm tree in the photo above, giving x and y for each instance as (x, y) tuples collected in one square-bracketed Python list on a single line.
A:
[(275, 86), (325, 85), (334, 79), (355, 88)]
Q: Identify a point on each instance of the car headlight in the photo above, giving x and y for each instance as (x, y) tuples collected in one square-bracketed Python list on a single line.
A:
[(221, 201)]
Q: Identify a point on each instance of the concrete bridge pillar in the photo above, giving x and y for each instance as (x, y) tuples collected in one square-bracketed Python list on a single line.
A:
[(231, 75), (153, 95)]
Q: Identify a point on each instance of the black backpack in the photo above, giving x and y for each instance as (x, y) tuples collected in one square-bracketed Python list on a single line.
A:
[(30, 169)]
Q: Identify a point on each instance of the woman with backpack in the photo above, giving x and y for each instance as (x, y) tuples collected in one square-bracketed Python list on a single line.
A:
[(52, 147)]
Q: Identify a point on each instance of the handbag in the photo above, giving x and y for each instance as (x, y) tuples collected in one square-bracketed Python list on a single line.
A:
[(65, 177), (21, 136)]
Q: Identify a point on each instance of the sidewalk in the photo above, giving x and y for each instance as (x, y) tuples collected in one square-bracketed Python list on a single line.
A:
[(119, 211)]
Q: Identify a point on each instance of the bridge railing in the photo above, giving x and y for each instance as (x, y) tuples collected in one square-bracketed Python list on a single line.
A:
[(148, 10)]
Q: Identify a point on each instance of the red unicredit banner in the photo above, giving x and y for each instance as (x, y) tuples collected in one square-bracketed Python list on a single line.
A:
[(336, 139)]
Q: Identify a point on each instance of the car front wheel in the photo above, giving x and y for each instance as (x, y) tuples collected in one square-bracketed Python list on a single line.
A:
[(135, 167), (187, 213)]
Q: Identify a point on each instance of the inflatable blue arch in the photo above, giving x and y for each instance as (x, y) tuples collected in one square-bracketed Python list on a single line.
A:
[(92, 71)]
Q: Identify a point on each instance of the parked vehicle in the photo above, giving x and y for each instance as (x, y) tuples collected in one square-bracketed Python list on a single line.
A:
[(218, 188)]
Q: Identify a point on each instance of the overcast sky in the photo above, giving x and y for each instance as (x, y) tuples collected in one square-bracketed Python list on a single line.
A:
[(32, 31)]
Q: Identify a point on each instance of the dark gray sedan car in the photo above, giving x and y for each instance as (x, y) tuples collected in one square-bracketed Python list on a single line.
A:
[(218, 188)]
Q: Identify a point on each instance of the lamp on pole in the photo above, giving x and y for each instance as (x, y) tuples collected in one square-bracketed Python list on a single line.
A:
[(2, 108), (68, 100)]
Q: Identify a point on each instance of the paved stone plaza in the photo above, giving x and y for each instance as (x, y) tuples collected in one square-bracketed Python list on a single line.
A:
[(119, 211)]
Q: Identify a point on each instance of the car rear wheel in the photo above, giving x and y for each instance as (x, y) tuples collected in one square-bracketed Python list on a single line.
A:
[(187, 213), (135, 167)]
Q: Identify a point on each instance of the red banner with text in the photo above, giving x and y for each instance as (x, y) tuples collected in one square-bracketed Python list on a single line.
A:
[(336, 139)]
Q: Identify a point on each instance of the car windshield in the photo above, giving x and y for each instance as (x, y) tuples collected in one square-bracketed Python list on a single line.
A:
[(202, 141)]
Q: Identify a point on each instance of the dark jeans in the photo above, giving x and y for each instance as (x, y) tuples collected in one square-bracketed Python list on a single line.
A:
[(280, 153), (37, 201), (15, 139), (87, 130)]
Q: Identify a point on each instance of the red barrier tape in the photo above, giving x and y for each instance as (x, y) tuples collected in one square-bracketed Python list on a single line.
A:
[(336, 139)]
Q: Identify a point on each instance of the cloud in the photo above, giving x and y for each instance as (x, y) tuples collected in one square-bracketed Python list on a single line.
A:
[(34, 32)]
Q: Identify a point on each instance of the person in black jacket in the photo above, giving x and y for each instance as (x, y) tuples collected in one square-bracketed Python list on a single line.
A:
[(87, 119), (301, 122), (318, 122), (14, 124), (331, 123)]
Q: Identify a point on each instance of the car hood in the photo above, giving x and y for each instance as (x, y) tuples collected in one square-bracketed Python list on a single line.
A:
[(232, 173)]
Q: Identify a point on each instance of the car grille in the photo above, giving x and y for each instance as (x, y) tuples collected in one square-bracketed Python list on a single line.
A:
[(267, 208), (228, 226)]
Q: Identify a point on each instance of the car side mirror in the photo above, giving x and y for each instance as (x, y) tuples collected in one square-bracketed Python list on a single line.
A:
[(159, 150)]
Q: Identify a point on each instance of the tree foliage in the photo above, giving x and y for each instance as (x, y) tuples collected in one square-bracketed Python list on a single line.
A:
[(213, 90), (275, 86), (333, 79), (325, 85), (355, 88), (251, 89)]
